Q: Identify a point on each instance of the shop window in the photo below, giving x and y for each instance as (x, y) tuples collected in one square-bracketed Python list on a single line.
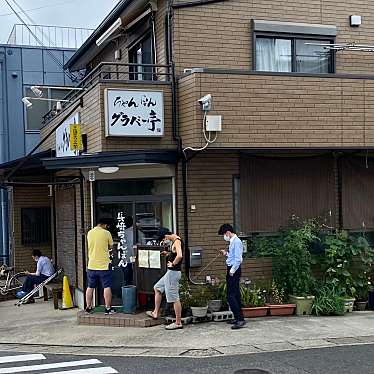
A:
[(142, 53), (293, 54), (35, 226)]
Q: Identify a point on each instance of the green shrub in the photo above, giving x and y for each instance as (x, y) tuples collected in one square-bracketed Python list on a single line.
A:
[(328, 301)]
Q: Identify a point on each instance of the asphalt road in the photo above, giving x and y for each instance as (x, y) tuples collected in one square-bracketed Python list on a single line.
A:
[(337, 360)]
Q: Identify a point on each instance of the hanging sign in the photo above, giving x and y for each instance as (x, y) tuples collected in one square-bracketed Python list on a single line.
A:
[(134, 113), (63, 138), (75, 137), (122, 244)]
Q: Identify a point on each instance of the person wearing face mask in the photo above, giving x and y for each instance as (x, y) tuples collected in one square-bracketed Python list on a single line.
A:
[(169, 283), (234, 258)]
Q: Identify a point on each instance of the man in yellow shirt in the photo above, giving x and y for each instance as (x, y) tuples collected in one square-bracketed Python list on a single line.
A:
[(99, 268)]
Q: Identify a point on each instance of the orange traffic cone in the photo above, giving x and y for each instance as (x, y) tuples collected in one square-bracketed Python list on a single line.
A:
[(67, 302)]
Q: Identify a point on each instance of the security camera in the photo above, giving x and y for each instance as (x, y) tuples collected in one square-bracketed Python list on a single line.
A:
[(206, 102)]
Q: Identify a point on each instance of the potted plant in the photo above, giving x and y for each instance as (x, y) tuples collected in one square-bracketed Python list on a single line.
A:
[(185, 295), (328, 301), (199, 302), (275, 302), (292, 264), (215, 302), (252, 299)]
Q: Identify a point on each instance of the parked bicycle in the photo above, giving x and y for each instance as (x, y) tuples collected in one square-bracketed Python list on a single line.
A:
[(13, 281)]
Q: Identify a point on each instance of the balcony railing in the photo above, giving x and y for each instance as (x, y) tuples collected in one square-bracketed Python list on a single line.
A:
[(112, 72), (48, 36)]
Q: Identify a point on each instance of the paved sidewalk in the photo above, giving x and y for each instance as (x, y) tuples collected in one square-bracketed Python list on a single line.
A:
[(28, 327)]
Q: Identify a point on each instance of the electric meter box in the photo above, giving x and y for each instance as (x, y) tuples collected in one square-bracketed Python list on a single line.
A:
[(213, 123), (196, 257)]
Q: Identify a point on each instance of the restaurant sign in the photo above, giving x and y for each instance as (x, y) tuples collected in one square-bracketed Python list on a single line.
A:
[(134, 113), (64, 148)]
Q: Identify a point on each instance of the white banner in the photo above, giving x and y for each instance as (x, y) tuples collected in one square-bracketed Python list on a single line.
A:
[(134, 113), (63, 137)]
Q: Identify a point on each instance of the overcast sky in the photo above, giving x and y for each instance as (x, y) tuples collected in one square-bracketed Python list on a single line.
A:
[(74, 13)]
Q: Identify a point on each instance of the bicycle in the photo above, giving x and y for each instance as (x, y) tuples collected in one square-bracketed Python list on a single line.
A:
[(13, 280)]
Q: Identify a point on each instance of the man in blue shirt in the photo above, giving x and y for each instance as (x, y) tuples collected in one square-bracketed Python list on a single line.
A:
[(44, 269), (234, 258)]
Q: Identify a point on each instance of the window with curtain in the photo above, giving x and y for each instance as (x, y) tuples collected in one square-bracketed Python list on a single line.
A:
[(293, 55)]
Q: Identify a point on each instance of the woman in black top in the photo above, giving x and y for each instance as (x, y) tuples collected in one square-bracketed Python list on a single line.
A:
[(169, 283)]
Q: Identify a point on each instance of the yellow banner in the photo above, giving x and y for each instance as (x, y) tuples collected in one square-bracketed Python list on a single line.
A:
[(75, 137)]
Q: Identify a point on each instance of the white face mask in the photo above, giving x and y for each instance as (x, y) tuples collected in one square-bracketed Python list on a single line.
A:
[(226, 238), (166, 242)]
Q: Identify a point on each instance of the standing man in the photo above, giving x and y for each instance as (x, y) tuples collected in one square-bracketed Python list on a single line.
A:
[(99, 268), (44, 269), (169, 283), (234, 260)]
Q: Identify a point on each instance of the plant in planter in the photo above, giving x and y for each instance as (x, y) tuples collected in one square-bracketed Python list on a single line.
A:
[(276, 302), (199, 302), (292, 264), (328, 301), (253, 300), (214, 291), (185, 295)]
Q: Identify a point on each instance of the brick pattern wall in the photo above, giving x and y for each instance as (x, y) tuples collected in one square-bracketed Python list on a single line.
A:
[(26, 197), (279, 111), (225, 40), (213, 208)]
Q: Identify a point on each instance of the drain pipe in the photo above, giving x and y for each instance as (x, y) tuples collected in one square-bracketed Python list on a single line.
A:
[(177, 138)]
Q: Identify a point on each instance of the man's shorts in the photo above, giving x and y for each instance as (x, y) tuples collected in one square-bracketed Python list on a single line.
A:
[(169, 284), (105, 277)]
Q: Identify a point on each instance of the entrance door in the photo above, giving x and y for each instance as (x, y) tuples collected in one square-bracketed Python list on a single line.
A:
[(110, 211)]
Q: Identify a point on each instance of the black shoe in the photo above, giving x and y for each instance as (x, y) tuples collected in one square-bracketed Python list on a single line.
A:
[(109, 311), (89, 310), (231, 322), (238, 325)]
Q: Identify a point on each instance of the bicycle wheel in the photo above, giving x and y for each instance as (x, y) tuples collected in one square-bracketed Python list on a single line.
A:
[(16, 281)]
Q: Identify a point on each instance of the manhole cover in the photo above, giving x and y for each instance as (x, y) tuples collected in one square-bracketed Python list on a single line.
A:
[(251, 371)]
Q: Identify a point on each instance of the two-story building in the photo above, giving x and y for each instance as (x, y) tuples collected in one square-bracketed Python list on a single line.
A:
[(287, 128)]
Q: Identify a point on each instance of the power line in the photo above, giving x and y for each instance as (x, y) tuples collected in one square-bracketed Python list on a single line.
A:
[(54, 58), (41, 7)]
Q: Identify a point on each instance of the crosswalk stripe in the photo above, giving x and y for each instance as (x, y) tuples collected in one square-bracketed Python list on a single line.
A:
[(18, 358), (103, 370), (20, 369)]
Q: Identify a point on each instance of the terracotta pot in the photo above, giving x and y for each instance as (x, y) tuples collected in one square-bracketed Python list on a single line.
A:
[(255, 312), (281, 309)]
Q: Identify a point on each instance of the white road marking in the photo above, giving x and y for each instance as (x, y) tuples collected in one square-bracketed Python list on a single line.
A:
[(7, 359), (22, 369), (103, 370)]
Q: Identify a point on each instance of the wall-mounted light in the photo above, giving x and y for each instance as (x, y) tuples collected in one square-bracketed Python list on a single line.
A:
[(28, 103), (108, 169), (355, 21), (37, 90)]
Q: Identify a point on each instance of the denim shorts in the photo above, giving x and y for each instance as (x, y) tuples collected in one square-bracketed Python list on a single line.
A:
[(169, 284), (105, 277)]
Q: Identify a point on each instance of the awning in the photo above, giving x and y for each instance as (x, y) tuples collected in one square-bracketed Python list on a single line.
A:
[(112, 159), (32, 165)]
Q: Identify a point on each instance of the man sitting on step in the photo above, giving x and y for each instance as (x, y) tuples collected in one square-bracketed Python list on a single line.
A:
[(44, 269)]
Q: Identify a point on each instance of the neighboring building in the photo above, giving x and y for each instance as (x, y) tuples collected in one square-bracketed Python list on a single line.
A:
[(25, 63), (297, 125)]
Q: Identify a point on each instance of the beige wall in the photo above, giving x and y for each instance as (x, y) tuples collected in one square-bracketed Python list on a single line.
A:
[(26, 197), (220, 35), (279, 111), (210, 189)]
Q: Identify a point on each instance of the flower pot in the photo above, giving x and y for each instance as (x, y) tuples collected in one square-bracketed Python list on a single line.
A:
[(215, 305), (281, 309), (303, 304), (199, 311), (361, 305), (260, 311), (348, 303)]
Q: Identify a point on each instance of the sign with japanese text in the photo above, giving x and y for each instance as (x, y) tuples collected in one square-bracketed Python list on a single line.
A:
[(63, 148), (134, 113), (122, 244), (75, 137)]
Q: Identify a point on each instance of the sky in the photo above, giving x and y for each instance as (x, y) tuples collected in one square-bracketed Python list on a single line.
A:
[(73, 13)]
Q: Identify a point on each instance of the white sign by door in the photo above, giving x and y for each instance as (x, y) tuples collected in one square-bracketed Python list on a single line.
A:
[(63, 137), (134, 113)]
